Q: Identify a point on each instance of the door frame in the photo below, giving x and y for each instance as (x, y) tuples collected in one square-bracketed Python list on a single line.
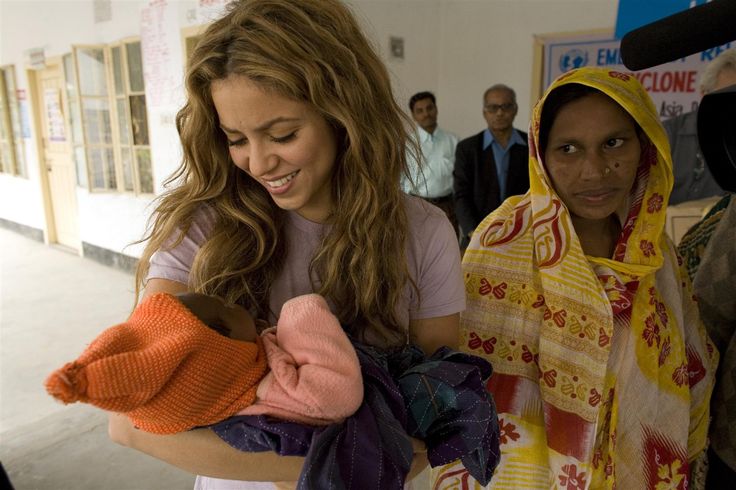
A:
[(49, 233)]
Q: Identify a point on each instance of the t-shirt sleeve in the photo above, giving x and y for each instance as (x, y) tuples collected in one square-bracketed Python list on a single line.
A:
[(174, 263), (438, 270)]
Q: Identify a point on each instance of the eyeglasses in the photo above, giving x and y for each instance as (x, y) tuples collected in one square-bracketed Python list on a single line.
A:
[(493, 108)]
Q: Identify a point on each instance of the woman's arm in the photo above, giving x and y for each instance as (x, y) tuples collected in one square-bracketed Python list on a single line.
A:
[(154, 286), (432, 333), (202, 452)]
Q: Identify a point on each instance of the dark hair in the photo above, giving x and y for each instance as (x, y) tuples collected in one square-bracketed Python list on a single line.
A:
[(556, 100), (420, 96)]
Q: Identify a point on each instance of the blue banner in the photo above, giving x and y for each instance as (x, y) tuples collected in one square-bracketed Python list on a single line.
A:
[(636, 13), (672, 86)]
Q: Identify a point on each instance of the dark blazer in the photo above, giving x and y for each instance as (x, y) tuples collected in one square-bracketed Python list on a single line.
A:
[(475, 180)]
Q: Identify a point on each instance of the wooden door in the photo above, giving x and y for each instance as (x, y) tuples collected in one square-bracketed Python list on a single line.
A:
[(57, 160)]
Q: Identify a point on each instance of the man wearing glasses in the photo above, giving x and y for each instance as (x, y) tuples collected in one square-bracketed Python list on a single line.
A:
[(492, 165)]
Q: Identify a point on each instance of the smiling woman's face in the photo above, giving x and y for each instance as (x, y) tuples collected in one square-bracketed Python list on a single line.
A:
[(284, 144), (588, 136)]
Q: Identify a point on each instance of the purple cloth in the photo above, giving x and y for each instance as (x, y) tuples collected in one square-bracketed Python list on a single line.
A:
[(441, 400), (258, 433)]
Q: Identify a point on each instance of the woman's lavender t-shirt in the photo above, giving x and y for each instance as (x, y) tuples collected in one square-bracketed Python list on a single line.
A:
[(433, 258)]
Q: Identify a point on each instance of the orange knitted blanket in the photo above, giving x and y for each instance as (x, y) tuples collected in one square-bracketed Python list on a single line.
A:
[(165, 369)]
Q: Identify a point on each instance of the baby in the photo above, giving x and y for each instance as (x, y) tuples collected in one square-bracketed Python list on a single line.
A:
[(185, 361)]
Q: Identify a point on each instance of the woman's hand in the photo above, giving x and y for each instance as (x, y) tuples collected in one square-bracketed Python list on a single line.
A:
[(432, 333), (120, 429), (420, 460), (229, 320)]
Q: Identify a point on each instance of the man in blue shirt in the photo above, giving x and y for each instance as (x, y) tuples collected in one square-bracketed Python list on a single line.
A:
[(492, 165), (432, 180)]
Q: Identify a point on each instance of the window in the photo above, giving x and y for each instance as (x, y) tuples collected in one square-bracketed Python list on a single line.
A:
[(110, 135), (190, 43), (75, 121), (12, 156), (132, 122), (190, 37)]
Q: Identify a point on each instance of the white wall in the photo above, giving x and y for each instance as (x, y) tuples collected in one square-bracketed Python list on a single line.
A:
[(458, 48), (455, 48), (107, 220)]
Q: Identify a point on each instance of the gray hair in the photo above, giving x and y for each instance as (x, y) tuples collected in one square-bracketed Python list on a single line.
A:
[(725, 61), (499, 87)]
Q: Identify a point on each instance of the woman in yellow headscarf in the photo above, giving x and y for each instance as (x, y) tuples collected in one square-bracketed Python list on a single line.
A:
[(602, 369)]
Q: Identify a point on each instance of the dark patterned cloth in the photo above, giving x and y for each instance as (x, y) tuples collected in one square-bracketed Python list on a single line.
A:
[(451, 410), (714, 285), (441, 400), (692, 245)]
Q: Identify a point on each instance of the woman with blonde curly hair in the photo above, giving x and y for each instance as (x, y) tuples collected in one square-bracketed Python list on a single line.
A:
[(293, 153)]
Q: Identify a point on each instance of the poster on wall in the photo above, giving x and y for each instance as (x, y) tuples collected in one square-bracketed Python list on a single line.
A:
[(673, 86), (162, 67), (25, 124), (54, 116), (209, 10)]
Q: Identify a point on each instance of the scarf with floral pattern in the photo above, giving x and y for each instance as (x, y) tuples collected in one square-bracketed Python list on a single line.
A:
[(602, 369)]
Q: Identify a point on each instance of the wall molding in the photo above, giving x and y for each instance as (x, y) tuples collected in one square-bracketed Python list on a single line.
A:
[(104, 256), (25, 230), (109, 257)]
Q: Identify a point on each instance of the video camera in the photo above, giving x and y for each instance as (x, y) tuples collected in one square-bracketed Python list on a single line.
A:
[(680, 35)]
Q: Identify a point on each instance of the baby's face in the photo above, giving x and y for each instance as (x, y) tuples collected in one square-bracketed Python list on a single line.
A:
[(231, 321)]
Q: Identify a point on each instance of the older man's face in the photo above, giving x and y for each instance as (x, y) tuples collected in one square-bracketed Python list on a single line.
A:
[(499, 110)]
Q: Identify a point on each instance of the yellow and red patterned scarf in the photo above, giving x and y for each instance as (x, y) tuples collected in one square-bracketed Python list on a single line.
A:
[(602, 369)]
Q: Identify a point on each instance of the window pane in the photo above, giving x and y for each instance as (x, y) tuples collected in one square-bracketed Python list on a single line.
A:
[(103, 168), (9, 75), (127, 169), (135, 66), (110, 162), (117, 70), (6, 135), (81, 163), (139, 119), (191, 43), (75, 121), (143, 156), (20, 161), (97, 168), (13, 105), (6, 162), (92, 80), (17, 131), (70, 76), (123, 122), (75, 116), (97, 121)]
